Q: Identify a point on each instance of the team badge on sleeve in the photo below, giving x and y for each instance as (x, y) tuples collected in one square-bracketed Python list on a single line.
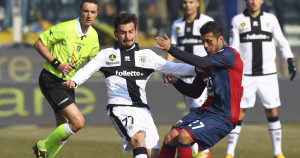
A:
[(243, 24), (177, 29), (112, 57)]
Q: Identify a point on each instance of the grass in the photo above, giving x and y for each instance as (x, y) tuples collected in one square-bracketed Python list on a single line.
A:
[(104, 142)]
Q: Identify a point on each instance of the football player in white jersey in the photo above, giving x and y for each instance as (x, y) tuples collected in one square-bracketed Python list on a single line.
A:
[(186, 36), (126, 69), (252, 35)]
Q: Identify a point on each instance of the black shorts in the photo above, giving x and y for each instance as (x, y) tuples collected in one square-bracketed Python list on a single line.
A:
[(52, 89)]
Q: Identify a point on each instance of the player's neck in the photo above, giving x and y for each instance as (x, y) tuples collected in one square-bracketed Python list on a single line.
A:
[(254, 14), (190, 17)]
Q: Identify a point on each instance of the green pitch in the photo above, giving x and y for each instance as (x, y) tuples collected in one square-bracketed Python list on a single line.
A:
[(104, 142)]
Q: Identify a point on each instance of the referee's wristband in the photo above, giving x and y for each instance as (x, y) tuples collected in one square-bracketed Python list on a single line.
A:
[(55, 63)]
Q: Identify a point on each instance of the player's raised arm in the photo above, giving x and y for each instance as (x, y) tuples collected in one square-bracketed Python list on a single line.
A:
[(165, 45)]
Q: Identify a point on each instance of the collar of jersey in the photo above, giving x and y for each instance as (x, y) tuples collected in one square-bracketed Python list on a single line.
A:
[(134, 47), (79, 31), (246, 13), (197, 17)]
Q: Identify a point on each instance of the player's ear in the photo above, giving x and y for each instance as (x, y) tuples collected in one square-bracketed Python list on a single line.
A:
[(197, 3), (116, 34), (220, 40)]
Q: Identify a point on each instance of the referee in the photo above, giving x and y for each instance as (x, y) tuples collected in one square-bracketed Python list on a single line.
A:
[(70, 43)]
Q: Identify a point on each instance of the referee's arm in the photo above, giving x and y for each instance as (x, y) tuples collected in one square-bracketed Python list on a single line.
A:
[(43, 50), (45, 53)]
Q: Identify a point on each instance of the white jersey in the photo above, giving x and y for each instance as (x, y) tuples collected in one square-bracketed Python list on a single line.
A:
[(186, 36), (253, 39), (127, 72)]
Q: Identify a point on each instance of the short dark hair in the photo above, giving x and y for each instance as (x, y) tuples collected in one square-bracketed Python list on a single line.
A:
[(88, 1), (125, 18), (212, 27)]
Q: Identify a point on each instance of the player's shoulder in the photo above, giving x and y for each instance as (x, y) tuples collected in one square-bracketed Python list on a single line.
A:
[(179, 20), (206, 17), (109, 50), (269, 15), (229, 49), (146, 51), (93, 32), (238, 17), (66, 23)]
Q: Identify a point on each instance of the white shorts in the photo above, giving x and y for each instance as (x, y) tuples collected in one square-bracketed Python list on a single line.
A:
[(191, 102), (130, 120), (266, 87)]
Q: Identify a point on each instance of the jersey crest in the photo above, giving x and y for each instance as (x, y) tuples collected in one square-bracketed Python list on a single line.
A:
[(78, 48), (143, 59)]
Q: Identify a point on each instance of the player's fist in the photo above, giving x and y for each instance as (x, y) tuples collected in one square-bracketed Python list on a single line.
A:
[(292, 68), (171, 78)]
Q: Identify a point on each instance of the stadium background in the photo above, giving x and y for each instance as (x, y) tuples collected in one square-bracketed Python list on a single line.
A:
[(21, 21)]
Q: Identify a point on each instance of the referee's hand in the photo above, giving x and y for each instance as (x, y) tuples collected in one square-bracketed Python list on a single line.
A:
[(69, 85), (65, 68)]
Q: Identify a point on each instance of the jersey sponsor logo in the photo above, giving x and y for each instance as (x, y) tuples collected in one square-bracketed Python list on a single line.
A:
[(112, 63), (210, 84), (129, 73), (51, 33), (190, 41), (257, 37)]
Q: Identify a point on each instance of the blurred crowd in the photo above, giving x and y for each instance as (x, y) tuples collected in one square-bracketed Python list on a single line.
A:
[(155, 16)]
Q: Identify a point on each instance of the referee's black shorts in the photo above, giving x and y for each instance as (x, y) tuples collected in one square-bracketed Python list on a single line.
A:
[(57, 96)]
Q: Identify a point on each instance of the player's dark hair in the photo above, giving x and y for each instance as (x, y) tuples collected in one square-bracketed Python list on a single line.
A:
[(88, 1), (125, 18), (212, 27)]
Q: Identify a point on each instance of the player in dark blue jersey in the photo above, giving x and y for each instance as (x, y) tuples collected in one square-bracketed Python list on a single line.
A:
[(221, 71)]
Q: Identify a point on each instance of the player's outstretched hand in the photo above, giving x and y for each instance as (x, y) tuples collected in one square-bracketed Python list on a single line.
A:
[(65, 68), (164, 44), (69, 85), (170, 78), (292, 68)]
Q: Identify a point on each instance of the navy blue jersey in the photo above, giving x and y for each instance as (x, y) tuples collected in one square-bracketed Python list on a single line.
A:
[(223, 78)]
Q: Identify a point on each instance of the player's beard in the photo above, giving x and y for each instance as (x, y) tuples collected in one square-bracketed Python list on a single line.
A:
[(127, 46)]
